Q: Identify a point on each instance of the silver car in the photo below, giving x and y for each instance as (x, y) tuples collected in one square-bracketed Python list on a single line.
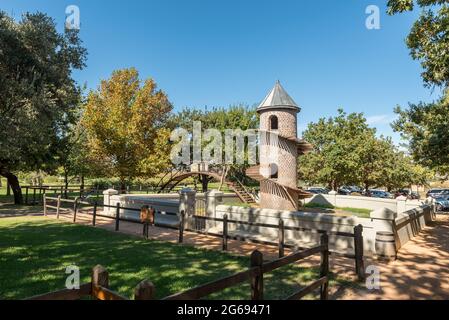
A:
[(442, 203)]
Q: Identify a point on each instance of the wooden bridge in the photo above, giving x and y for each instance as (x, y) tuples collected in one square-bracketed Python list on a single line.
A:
[(236, 186)]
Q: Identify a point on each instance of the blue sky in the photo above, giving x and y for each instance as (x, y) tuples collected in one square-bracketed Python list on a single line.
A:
[(217, 53)]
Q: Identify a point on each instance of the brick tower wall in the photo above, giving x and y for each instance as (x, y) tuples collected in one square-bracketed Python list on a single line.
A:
[(273, 196)]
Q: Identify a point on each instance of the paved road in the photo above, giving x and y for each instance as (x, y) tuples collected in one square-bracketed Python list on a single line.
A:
[(421, 271)]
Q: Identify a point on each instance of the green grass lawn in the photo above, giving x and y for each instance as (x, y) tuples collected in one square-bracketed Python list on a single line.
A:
[(362, 213), (35, 251)]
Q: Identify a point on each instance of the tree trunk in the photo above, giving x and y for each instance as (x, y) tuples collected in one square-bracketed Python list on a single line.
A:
[(13, 182), (223, 177), (8, 188), (335, 185), (366, 187), (122, 186), (204, 183), (82, 184)]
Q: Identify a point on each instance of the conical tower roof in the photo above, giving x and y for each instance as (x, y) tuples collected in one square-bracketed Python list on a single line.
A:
[(278, 98)]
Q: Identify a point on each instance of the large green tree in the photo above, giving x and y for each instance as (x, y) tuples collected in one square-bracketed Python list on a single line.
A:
[(125, 125), (428, 40), (233, 117), (38, 95), (425, 124), (347, 151), (339, 144)]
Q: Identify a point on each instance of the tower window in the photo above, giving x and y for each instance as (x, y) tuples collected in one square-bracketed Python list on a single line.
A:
[(274, 171), (274, 123)]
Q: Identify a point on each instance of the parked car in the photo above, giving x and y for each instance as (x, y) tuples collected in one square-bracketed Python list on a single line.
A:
[(318, 190), (415, 195), (435, 192), (345, 190), (407, 193), (442, 203), (380, 194)]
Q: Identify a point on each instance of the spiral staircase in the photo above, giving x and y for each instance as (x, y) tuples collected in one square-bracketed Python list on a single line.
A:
[(272, 184)]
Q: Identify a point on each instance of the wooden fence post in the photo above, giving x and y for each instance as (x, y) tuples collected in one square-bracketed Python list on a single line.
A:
[(257, 280), (34, 196), (44, 202), (358, 249), (100, 278), (117, 217), (281, 238), (324, 267), (181, 227), (75, 209), (58, 206), (94, 215), (144, 291), (225, 232), (26, 195)]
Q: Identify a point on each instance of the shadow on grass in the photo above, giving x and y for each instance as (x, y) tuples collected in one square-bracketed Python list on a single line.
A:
[(34, 253)]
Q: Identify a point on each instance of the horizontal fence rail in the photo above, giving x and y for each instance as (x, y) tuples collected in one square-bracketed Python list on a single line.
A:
[(255, 275), (357, 235), (77, 206), (98, 289)]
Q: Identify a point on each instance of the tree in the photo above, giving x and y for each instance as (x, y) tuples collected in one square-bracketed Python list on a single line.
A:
[(73, 155), (339, 145), (38, 95), (124, 124), (428, 40), (347, 151), (425, 126), (234, 117), (377, 158)]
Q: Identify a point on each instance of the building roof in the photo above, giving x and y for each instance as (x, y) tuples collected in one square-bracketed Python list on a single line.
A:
[(278, 98)]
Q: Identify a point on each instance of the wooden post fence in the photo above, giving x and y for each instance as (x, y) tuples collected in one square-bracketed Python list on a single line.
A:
[(358, 249), (94, 215), (257, 279), (44, 201), (181, 227), (34, 196), (58, 207), (144, 291), (117, 217), (26, 195), (324, 267), (281, 238), (75, 209), (100, 278), (225, 233)]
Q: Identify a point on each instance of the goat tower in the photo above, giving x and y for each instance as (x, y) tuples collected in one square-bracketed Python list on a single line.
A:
[(279, 151)]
